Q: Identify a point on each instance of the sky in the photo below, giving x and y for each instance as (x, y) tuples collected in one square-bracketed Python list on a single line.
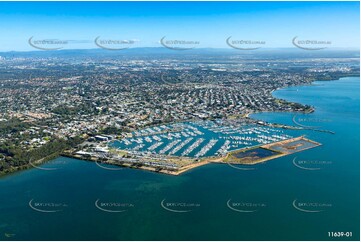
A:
[(209, 23)]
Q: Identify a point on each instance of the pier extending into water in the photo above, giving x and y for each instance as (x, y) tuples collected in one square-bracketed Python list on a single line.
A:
[(174, 165)]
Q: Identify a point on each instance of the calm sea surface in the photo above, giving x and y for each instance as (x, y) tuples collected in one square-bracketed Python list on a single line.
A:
[(298, 197)]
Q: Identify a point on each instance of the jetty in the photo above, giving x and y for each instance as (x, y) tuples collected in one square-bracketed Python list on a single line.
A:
[(176, 165)]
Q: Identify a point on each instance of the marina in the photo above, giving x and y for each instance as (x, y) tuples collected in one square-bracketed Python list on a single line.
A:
[(200, 139), (276, 183), (178, 147)]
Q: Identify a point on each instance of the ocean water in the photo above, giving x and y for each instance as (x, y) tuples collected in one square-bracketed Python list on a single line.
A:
[(297, 197)]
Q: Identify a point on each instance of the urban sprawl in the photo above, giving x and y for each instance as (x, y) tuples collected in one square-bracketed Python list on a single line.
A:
[(140, 110)]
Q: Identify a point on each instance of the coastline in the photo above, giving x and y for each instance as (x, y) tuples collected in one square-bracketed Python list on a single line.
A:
[(30, 165), (13, 170), (204, 161), (249, 114)]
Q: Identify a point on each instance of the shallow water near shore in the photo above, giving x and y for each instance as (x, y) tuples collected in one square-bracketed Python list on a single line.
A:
[(277, 200)]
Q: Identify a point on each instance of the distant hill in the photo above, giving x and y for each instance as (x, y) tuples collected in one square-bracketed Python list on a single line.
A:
[(160, 51)]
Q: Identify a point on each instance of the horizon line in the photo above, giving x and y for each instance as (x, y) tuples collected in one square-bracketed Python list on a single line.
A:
[(183, 51)]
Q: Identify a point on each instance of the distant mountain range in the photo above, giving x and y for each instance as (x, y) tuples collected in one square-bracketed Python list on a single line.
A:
[(161, 51)]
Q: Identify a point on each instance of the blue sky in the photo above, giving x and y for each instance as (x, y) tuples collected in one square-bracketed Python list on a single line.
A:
[(210, 23)]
